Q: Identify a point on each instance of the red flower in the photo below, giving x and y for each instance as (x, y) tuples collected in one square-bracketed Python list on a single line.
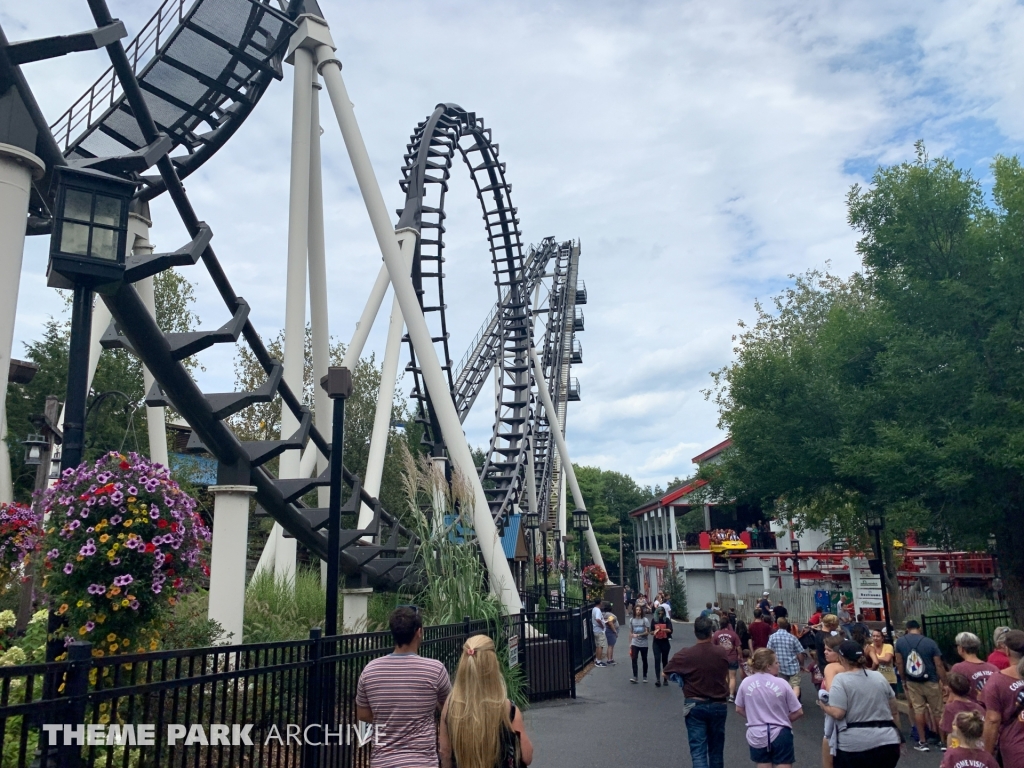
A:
[(124, 464), (161, 523), (170, 571), (108, 488), (178, 583), (206, 569), (174, 527), (149, 547), (84, 497), (168, 557)]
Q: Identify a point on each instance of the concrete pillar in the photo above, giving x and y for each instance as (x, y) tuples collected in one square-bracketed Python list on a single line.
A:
[(732, 576), (17, 169), (766, 575), (355, 607), (227, 556)]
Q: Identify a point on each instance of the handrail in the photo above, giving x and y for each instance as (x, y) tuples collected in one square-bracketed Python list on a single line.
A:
[(106, 90)]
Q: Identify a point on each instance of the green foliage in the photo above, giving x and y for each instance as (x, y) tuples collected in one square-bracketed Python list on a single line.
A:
[(609, 497), (277, 608), (187, 624), (452, 576), (899, 391), (115, 424), (675, 589)]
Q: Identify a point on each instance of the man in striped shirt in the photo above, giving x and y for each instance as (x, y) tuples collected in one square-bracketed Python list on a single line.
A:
[(790, 654), (400, 694)]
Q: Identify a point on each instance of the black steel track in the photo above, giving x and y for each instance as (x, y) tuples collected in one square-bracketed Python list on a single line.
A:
[(428, 161)]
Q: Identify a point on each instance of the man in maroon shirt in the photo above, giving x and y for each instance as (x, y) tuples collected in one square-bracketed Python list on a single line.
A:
[(974, 669), (1003, 696), (727, 638), (760, 630), (704, 668)]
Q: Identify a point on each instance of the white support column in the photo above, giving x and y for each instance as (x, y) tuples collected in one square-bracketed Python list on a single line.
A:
[(502, 583), (295, 296), (766, 574), (563, 451), (732, 576), (323, 410), (562, 509), (354, 609), (17, 169), (156, 421), (227, 556), (672, 528), (386, 395)]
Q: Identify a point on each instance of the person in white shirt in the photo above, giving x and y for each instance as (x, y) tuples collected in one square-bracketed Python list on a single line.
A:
[(600, 640)]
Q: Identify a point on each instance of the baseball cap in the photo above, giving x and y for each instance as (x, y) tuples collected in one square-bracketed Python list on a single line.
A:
[(850, 650)]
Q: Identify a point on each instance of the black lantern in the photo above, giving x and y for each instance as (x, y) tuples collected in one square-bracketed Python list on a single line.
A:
[(35, 447), (580, 519), (794, 546), (90, 228), (532, 520), (993, 543)]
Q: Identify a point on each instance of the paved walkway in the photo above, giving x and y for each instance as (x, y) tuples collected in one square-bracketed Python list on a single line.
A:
[(615, 724)]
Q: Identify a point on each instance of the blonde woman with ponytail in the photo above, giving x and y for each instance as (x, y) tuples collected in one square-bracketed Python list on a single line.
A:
[(480, 727)]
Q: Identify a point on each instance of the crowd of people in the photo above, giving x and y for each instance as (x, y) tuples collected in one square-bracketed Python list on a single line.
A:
[(970, 708)]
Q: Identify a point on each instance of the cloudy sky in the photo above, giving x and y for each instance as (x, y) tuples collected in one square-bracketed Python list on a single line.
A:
[(701, 152)]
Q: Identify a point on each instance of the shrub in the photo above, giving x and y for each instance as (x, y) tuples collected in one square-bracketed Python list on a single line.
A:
[(675, 590), (122, 543)]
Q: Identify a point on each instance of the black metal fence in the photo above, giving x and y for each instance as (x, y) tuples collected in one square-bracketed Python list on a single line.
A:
[(246, 705), (944, 628), (532, 597)]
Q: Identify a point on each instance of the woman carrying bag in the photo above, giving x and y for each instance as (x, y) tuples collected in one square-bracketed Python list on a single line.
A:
[(639, 637), (864, 708), (661, 629), (480, 727)]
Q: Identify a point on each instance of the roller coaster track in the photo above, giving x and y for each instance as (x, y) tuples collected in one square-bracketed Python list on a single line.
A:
[(210, 68), (431, 152)]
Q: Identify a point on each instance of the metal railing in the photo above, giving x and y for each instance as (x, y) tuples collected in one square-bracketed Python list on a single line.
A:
[(260, 688), (105, 92), (943, 629)]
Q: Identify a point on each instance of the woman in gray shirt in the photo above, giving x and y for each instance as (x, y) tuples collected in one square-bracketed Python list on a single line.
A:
[(864, 708), (639, 634)]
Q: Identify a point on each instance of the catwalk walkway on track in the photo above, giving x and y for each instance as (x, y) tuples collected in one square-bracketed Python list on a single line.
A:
[(613, 723)]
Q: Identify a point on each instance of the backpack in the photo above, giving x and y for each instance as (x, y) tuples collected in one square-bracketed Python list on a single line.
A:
[(914, 665), (509, 756)]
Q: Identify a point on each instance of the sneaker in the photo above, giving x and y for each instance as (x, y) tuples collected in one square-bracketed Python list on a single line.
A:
[(632, 679), (942, 747), (645, 679), (657, 683), (610, 663), (731, 699), (922, 747), (599, 664)]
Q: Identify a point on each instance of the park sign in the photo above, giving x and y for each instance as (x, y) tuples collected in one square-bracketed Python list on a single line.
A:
[(867, 587)]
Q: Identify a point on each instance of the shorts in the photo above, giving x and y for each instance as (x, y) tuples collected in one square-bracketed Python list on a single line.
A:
[(600, 641), (611, 637), (794, 680), (925, 696), (733, 666), (778, 752)]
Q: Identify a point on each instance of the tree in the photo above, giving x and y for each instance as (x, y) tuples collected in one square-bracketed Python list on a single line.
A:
[(114, 424), (900, 391), (609, 497)]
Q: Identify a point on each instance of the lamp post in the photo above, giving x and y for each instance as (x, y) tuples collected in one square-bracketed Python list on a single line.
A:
[(794, 545), (580, 523), (877, 565), (532, 522), (87, 253), (997, 581), (544, 526)]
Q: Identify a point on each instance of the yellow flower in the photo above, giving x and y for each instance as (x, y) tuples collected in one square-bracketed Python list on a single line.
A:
[(125, 642), (152, 645), (127, 523), (80, 558), (111, 637), (114, 607), (124, 603), (113, 647), (117, 547), (63, 609), (104, 718), (104, 538), (80, 603), (82, 630), (98, 652), (101, 618)]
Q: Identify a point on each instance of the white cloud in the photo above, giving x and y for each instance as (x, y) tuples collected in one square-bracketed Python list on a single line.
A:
[(700, 151)]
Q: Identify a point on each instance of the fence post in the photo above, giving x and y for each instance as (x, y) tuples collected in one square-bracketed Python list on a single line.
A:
[(76, 688), (467, 627), (318, 690), (570, 637)]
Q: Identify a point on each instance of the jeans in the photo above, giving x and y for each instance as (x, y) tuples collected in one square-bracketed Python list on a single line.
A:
[(634, 651), (661, 650), (705, 729)]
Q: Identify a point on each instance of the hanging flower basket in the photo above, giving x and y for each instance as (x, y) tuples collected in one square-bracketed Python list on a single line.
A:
[(122, 541), (594, 578), (20, 532)]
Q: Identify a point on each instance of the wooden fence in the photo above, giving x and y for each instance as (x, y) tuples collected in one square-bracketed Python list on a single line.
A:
[(800, 602)]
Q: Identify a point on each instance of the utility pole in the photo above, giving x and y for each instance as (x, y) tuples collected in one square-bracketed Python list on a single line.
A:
[(622, 562)]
